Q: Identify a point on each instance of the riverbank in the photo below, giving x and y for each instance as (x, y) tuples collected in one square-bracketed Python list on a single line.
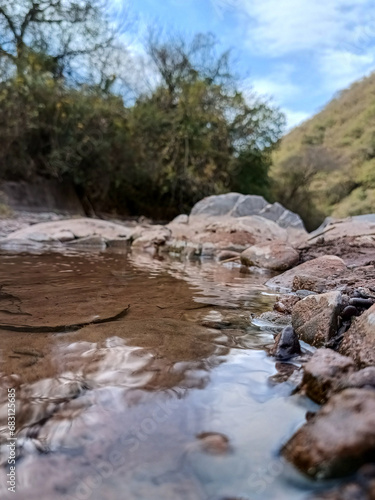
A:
[(326, 299)]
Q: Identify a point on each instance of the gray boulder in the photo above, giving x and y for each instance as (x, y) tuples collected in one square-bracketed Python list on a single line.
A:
[(240, 205)]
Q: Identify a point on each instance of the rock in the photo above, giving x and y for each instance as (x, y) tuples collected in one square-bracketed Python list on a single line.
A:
[(354, 228), (239, 205), (249, 205), (315, 318), (228, 254), (216, 205), (359, 340), (225, 233), (90, 241), (272, 320), (285, 303), (321, 267), (276, 256), (286, 345), (151, 237), (214, 443), (310, 283), (364, 378), (77, 228), (181, 219), (322, 373), (338, 439)]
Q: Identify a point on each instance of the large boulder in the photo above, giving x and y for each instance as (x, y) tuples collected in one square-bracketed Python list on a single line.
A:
[(315, 318), (275, 255), (70, 229), (338, 439), (320, 268), (240, 205), (359, 340)]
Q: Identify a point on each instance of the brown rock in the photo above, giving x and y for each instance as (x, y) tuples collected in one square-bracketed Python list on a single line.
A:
[(322, 267), (322, 373), (362, 379), (338, 439), (315, 317), (311, 283), (214, 443), (276, 256), (359, 340)]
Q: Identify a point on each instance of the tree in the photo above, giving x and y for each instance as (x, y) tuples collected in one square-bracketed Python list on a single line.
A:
[(61, 32), (195, 134)]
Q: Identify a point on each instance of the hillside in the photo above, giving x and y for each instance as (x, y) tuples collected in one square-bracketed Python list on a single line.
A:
[(326, 166)]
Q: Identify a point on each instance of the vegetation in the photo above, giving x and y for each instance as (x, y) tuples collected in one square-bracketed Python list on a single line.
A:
[(326, 166), (63, 114)]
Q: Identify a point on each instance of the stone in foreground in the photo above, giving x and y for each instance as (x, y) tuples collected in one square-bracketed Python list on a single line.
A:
[(322, 373), (338, 439), (315, 318), (359, 340), (276, 256)]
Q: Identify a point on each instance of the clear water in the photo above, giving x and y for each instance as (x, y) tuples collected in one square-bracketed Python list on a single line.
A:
[(112, 408)]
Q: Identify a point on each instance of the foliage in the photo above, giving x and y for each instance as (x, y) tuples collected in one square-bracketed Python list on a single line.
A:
[(343, 182), (191, 134)]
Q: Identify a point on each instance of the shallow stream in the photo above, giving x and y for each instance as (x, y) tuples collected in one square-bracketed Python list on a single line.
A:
[(124, 364)]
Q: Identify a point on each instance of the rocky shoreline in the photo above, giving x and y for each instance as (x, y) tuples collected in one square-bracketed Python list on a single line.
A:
[(326, 299)]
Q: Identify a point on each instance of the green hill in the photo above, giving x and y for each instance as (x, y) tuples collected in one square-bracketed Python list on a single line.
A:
[(326, 166)]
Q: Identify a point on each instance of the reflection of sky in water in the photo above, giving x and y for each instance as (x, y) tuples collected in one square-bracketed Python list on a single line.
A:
[(120, 420)]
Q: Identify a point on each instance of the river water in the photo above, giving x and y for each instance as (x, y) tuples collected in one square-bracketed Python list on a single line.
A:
[(139, 378)]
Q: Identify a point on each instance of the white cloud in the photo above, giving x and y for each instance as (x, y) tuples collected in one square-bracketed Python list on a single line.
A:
[(339, 68), (295, 118), (278, 85), (279, 27)]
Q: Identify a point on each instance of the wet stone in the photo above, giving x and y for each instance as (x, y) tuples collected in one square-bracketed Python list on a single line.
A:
[(287, 345), (323, 372)]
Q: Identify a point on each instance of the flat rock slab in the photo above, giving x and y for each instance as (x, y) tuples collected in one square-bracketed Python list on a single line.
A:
[(315, 318), (69, 229), (276, 256), (338, 439), (359, 340), (322, 267)]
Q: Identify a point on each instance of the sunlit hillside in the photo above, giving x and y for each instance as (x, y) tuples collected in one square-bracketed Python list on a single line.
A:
[(326, 166)]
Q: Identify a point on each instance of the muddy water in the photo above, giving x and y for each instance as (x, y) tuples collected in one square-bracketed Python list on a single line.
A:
[(123, 365)]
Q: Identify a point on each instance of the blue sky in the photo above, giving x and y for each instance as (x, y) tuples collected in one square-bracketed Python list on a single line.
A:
[(300, 52)]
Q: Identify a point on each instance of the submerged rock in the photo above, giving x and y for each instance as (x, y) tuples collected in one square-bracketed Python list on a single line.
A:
[(315, 318), (338, 438), (359, 340), (214, 443), (322, 267), (322, 374), (276, 256)]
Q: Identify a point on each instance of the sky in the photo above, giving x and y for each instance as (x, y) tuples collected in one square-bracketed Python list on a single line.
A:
[(300, 53)]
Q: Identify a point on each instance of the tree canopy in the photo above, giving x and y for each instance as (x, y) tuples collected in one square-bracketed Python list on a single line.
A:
[(191, 133)]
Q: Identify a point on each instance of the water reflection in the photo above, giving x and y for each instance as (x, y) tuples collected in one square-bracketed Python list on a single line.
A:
[(118, 409)]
